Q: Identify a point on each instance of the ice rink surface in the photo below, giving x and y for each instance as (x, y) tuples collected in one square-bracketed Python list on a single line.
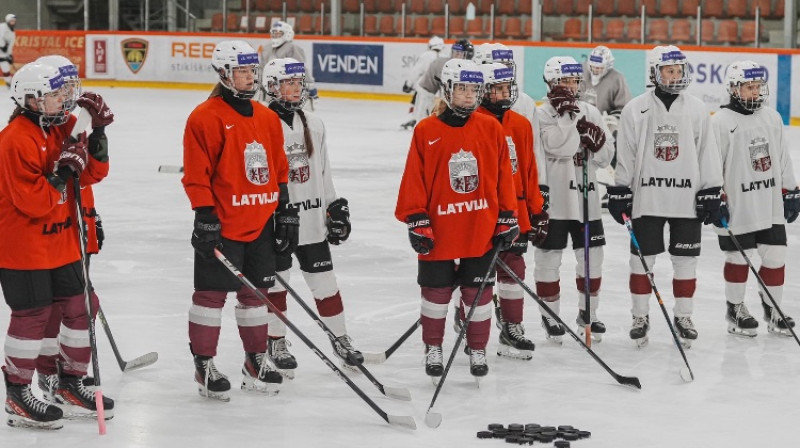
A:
[(745, 393)]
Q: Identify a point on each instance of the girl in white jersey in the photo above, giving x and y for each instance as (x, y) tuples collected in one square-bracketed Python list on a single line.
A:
[(761, 191), (324, 218)]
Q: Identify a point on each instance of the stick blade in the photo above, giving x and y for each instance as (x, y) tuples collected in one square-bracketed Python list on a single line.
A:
[(433, 419), (686, 375), (403, 421), (374, 358), (630, 381), (398, 393), (142, 361)]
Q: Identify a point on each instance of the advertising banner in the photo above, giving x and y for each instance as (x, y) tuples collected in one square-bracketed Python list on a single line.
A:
[(348, 63), (30, 45)]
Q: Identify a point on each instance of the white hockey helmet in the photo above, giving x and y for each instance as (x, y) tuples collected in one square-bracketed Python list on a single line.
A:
[(664, 56), (498, 73), (279, 70), (70, 74), (10, 17), (281, 32), (462, 73), (35, 81), (491, 53), (743, 73), (232, 54), (561, 68), (600, 62), (436, 43)]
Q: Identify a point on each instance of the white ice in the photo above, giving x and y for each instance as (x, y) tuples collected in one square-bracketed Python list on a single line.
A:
[(745, 394)]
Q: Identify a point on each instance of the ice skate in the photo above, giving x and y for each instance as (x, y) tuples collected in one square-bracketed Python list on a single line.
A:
[(285, 362), (24, 410), (343, 348), (409, 124), (686, 331), (639, 329), (554, 330), (434, 362), (775, 324), (598, 328), (477, 364), (48, 385), (259, 376), (210, 382), (740, 321), (514, 344), (78, 401)]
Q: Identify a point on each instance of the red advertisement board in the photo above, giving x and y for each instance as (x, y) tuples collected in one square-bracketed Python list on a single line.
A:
[(30, 45)]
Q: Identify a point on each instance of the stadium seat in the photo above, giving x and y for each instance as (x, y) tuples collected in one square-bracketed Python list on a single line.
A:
[(707, 31), (498, 31), (652, 8), (668, 8), (728, 32), (603, 8), (437, 26), (712, 8), (506, 7), (627, 8), (737, 8), (514, 27), (749, 33), (435, 6), (233, 22), (318, 26), (306, 5), (484, 7), (597, 30), (524, 7), (779, 11), (657, 30), (370, 6), (276, 5), (261, 5), (564, 7), (689, 8), (457, 26), (475, 28), (634, 33), (456, 7), (216, 22), (305, 24), (582, 7), (422, 26), (292, 6), (386, 25), (416, 7), (682, 31), (409, 24), (548, 7), (318, 5), (573, 29), (528, 29), (765, 6), (615, 30), (370, 24), (387, 6), (351, 6)]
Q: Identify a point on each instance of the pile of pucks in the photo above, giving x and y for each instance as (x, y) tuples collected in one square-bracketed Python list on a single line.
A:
[(534, 432)]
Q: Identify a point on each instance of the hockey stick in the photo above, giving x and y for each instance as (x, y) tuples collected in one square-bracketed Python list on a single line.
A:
[(170, 169), (434, 419), (758, 277), (398, 393), (84, 119), (586, 280), (125, 366), (380, 358), (686, 373), (405, 421), (630, 381)]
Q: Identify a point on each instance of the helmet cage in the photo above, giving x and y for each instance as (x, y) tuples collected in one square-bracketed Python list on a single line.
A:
[(755, 74), (674, 57), (243, 60), (497, 73), (568, 71), (277, 74), (465, 78)]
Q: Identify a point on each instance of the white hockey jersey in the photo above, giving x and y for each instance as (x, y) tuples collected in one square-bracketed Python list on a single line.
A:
[(311, 187), (756, 165), (666, 157), (564, 161), (526, 106), (421, 66), (7, 36), (287, 50)]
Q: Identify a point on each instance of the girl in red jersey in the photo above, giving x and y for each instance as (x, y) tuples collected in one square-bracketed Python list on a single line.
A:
[(500, 96), (457, 198), (235, 175), (40, 261)]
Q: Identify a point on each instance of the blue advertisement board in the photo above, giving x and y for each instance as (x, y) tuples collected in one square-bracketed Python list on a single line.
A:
[(348, 63)]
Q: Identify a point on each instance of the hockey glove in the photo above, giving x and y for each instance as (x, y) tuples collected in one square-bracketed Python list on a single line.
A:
[(711, 206), (592, 136), (506, 230), (407, 88), (101, 235), (563, 100), (206, 235), (545, 190), (620, 200), (98, 145), (287, 224), (791, 204), (97, 108), (540, 224), (420, 233), (73, 156), (338, 221)]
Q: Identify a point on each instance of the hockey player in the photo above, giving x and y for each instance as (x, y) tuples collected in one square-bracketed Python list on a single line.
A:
[(233, 151), (606, 89), (500, 95), (457, 199), (573, 134), (283, 46), (41, 270), (430, 83), (7, 37), (324, 217), (762, 194), (97, 170), (668, 172), (435, 46)]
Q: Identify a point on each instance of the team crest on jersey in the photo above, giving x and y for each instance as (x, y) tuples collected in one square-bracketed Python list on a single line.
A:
[(299, 170), (759, 154), (463, 172), (666, 143), (512, 154), (578, 158), (256, 166)]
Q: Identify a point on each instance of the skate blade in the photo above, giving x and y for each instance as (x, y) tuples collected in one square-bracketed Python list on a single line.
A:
[(686, 343), (286, 373), (779, 331), (435, 379), (74, 412), (478, 381), (221, 396), (642, 342), (596, 337), (743, 332), (250, 384), (350, 368), (18, 421), (510, 352), (555, 339)]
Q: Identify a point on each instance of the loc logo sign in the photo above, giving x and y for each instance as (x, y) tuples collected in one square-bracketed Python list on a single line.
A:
[(134, 52), (348, 63)]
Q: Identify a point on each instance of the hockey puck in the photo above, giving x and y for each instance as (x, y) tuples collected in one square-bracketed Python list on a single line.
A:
[(548, 428), (584, 434), (562, 444), (544, 438), (532, 426), (526, 440), (485, 434), (565, 428), (493, 426), (569, 435), (500, 433), (516, 427), (512, 439), (552, 434)]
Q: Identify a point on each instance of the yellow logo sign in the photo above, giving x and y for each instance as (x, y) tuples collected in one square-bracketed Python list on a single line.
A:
[(134, 51)]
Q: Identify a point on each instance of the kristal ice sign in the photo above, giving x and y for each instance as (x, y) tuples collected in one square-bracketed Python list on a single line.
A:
[(348, 64)]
